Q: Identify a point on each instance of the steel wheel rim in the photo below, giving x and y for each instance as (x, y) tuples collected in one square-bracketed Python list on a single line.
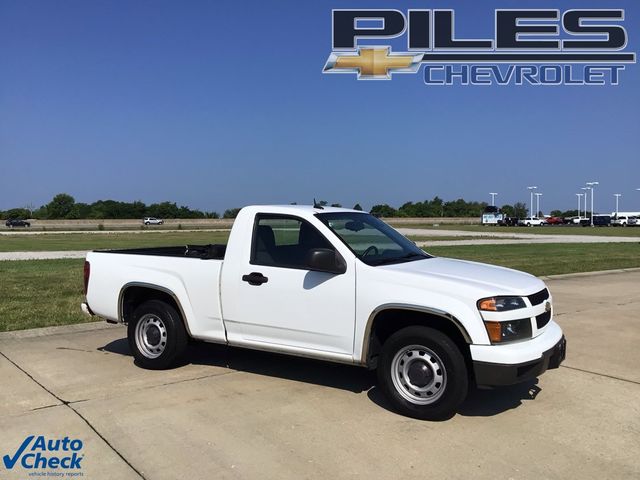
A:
[(418, 374), (151, 335)]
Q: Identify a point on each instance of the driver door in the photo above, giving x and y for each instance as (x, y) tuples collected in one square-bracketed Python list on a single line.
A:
[(277, 300)]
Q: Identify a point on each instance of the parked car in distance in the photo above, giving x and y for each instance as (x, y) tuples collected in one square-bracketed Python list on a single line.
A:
[(623, 221), (152, 221), (532, 222), (576, 220), (598, 221), (17, 222), (508, 222), (555, 220)]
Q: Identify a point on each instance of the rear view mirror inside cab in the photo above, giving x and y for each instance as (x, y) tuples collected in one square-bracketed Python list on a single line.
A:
[(354, 226)]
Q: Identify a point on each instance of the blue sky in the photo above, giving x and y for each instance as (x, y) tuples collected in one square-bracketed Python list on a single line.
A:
[(219, 104)]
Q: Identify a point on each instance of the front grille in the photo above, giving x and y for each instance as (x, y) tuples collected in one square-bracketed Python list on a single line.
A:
[(543, 319), (538, 298)]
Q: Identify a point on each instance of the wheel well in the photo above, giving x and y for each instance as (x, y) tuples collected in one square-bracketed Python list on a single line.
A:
[(133, 296), (387, 322)]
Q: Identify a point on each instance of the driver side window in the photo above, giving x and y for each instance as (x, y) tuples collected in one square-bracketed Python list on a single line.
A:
[(284, 241)]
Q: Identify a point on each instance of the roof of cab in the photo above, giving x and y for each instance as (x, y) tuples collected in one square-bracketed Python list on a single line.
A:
[(299, 209)]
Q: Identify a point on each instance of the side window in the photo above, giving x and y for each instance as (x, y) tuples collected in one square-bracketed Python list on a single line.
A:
[(281, 241)]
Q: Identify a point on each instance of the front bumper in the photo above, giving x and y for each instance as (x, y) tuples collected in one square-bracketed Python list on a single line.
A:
[(494, 374)]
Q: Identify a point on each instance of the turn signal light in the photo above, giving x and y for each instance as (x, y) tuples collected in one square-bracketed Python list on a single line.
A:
[(494, 330)]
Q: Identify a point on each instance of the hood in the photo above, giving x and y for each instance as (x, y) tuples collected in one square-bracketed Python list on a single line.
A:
[(489, 280)]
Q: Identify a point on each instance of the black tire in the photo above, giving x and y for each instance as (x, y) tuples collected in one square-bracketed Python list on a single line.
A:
[(433, 349), (156, 334)]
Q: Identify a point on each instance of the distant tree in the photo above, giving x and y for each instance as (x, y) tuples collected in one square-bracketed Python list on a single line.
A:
[(383, 210), (336, 205), (211, 214), (519, 210), (60, 206), (231, 213), (555, 213), (16, 213), (30, 207), (568, 213), (40, 213), (323, 203), (508, 210), (79, 210), (357, 207)]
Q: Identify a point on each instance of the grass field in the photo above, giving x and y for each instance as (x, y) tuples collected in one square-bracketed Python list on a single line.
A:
[(42, 293), (90, 241), (549, 258), (547, 230)]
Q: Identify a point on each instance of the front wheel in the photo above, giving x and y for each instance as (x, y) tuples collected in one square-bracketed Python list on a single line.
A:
[(422, 373), (156, 335)]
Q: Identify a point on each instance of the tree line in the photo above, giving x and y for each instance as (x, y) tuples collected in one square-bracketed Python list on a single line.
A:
[(64, 206), (432, 208)]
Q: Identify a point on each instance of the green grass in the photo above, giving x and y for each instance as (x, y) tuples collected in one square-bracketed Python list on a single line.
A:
[(443, 238), (91, 241), (549, 258), (40, 293), (547, 230)]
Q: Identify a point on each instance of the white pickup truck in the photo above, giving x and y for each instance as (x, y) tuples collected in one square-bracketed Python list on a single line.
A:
[(337, 285)]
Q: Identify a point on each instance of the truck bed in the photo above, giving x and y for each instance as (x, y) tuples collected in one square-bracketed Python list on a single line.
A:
[(202, 252)]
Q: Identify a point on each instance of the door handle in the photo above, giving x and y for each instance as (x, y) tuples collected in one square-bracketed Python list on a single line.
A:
[(255, 278)]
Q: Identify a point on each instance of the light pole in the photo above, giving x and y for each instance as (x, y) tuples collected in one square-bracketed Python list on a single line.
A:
[(579, 195), (538, 195), (593, 191), (586, 197), (531, 189), (617, 195), (493, 198)]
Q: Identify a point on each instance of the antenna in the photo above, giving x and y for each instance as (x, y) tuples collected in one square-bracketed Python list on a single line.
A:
[(317, 205)]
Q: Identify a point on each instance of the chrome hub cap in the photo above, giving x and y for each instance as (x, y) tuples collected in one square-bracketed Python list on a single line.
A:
[(151, 336), (418, 374)]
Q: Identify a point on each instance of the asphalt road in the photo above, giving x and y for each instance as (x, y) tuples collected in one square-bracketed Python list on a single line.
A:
[(230, 413)]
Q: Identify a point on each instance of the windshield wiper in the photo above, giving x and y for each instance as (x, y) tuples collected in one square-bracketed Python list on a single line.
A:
[(386, 261)]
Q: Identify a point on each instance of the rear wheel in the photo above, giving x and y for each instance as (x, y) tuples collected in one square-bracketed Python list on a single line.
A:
[(423, 374), (156, 335)]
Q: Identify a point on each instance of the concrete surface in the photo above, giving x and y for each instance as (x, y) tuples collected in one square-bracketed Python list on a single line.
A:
[(231, 413)]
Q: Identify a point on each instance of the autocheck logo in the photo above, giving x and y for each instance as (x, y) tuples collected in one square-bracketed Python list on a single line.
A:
[(529, 47), (38, 452)]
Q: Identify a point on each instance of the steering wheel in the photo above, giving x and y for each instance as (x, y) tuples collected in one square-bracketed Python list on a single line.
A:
[(370, 249)]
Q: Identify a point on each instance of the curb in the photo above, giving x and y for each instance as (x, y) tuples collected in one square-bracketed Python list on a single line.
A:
[(590, 274), (57, 330)]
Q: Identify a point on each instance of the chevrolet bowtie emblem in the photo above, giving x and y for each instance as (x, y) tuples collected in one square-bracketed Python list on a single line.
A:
[(374, 63)]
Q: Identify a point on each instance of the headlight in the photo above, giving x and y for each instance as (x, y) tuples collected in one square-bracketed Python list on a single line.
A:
[(509, 331), (500, 304)]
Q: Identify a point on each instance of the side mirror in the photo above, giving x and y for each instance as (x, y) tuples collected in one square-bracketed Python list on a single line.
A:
[(326, 260)]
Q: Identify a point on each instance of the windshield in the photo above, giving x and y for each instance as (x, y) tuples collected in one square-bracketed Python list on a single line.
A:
[(373, 241)]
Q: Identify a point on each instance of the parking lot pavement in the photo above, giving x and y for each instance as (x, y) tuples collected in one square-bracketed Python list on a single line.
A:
[(230, 413)]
